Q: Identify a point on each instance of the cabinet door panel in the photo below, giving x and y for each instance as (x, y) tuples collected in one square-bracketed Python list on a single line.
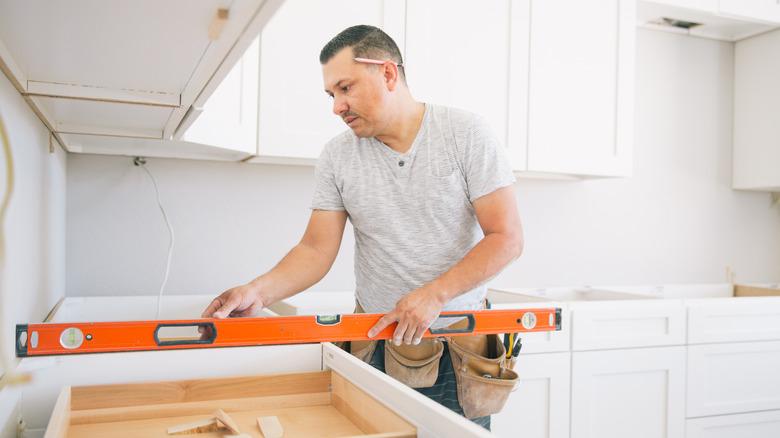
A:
[(458, 55), (756, 97), (539, 407), (620, 393), (296, 117), (733, 378), (581, 86), (229, 117)]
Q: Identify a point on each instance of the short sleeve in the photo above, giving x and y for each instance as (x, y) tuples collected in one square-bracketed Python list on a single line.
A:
[(486, 164), (326, 192)]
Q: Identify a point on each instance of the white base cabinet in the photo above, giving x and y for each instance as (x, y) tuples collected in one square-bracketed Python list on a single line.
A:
[(754, 425), (51, 373), (633, 392), (733, 378), (539, 407)]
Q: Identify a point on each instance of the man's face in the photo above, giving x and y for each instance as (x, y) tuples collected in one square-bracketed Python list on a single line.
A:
[(359, 92)]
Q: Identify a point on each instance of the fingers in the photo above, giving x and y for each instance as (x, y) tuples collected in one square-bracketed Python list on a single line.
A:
[(250, 311), (382, 324), (419, 333), (408, 336), (216, 303), (232, 301), (400, 332), (407, 331)]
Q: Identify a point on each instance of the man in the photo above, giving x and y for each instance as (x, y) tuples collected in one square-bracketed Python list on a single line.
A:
[(428, 191)]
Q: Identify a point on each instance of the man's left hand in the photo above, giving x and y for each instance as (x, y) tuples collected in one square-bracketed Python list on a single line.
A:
[(415, 312)]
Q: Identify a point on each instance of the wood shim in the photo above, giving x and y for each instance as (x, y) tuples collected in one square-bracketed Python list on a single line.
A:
[(200, 426), (225, 419), (270, 426), (215, 28)]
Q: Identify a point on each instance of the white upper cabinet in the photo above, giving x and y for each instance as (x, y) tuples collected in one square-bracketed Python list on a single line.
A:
[(561, 101), (580, 104), (767, 11), (756, 108), (296, 116), (121, 79), (727, 20), (457, 55), (228, 119)]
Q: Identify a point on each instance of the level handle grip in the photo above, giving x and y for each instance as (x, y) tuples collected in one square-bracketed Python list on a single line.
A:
[(446, 330), (207, 330)]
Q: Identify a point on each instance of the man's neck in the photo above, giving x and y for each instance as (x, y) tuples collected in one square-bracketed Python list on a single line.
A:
[(404, 128)]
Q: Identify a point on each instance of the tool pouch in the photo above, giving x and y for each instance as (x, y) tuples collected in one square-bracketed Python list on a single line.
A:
[(482, 372), (416, 366), (363, 350)]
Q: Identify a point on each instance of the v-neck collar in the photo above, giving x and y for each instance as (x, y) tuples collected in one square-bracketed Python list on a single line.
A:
[(417, 139)]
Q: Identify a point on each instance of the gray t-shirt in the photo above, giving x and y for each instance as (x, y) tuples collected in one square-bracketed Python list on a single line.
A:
[(412, 212)]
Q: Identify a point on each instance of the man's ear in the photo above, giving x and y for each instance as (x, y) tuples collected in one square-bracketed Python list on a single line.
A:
[(391, 75)]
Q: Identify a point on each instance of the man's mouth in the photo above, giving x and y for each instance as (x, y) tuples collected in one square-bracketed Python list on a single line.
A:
[(349, 120)]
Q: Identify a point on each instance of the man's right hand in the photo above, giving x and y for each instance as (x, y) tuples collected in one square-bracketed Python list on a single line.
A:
[(239, 301)]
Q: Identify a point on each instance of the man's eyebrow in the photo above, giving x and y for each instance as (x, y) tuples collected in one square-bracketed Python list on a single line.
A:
[(337, 84)]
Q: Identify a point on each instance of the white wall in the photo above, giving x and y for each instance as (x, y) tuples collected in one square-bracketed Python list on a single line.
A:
[(675, 220), (34, 275)]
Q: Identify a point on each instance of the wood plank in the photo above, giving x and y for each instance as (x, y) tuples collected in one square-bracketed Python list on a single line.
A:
[(217, 23), (71, 128), (386, 435), (11, 69), (45, 118), (59, 422), (226, 420), (270, 426), (137, 394), (310, 421), (128, 413), (365, 411), (755, 291), (199, 426), (102, 94)]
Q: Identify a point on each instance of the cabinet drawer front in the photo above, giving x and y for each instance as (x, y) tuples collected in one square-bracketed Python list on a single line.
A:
[(734, 319), (755, 425), (640, 324), (733, 378)]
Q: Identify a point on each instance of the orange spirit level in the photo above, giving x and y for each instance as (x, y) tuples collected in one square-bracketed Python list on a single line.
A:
[(103, 337)]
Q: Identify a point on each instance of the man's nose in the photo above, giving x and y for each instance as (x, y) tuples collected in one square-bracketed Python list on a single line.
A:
[(339, 106)]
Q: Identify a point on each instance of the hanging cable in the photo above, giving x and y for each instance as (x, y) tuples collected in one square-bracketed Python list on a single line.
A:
[(141, 162), (7, 366)]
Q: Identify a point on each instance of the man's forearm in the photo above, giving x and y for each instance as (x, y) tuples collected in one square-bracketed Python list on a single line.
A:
[(492, 254), (300, 269)]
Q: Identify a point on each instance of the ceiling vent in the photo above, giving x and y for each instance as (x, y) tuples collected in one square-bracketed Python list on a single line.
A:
[(673, 22)]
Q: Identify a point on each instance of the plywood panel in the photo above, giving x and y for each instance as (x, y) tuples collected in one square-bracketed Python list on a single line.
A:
[(308, 421), (106, 415), (113, 396), (370, 415)]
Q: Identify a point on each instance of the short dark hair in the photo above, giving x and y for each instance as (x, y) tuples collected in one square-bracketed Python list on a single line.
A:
[(366, 42)]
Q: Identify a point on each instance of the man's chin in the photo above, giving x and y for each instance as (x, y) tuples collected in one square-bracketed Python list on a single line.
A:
[(360, 133)]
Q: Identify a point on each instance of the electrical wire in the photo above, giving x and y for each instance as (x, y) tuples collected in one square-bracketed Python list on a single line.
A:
[(7, 367), (142, 163)]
